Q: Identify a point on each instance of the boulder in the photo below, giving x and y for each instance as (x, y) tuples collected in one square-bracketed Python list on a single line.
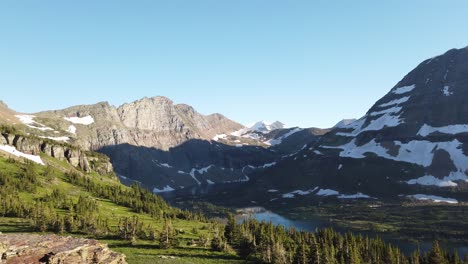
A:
[(53, 249)]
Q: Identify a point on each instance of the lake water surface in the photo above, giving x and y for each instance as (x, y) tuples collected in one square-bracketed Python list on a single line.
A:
[(261, 214)]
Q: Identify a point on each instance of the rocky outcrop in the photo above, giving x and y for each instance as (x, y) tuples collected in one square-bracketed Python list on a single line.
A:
[(150, 122), (53, 249), (76, 157)]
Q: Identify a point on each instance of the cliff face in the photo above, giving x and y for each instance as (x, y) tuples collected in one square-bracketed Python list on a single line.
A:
[(28, 248), (84, 160), (150, 122), (139, 136)]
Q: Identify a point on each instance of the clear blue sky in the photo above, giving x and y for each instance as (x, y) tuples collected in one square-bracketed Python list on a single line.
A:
[(306, 63)]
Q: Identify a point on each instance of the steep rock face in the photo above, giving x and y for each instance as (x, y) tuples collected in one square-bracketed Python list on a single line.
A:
[(413, 138), (157, 114), (148, 129), (76, 157), (150, 122), (29, 248)]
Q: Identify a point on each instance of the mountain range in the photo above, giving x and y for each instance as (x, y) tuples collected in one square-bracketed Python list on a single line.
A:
[(162, 145), (412, 141)]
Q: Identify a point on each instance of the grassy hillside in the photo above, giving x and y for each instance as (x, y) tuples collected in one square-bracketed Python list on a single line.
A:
[(58, 198), (61, 199)]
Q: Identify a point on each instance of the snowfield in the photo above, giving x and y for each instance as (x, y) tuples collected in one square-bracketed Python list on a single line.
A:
[(354, 196), (426, 130), (394, 109), (447, 181), (12, 150), (433, 198), (71, 129), (199, 171), (404, 89), (385, 120), (165, 165), (277, 141), (327, 192), (87, 120), (298, 192), (59, 139), (447, 91), (420, 152), (396, 101), (167, 188), (220, 136), (28, 120)]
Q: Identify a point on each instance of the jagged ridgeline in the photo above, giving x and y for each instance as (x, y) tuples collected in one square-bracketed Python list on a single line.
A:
[(165, 146)]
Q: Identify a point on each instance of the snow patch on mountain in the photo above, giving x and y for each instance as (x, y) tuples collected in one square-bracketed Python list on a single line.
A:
[(330, 192), (71, 129), (210, 182), (416, 152), (167, 188), (277, 141), (396, 102), (394, 109), (59, 139), (86, 120), (386, 120), (433, 198), (299, 192), (220, 136), (426, 130), (447, 181), (259, 127), (354, 196), (446, 90), (28, 120), (404, 89), (327, 192), (12, 150), (267, 165), (199, 171), (165, 165)]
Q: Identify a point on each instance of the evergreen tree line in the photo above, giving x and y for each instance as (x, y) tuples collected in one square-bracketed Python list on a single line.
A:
[(267, 243), (257, 241), (137, 198)]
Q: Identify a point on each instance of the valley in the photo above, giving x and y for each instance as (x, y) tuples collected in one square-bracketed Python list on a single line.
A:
[(162, 183)]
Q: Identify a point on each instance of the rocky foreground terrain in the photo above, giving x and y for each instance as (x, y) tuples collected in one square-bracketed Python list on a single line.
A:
[(53, 249)]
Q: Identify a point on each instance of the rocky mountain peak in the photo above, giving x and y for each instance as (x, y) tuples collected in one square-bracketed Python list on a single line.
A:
[(265, 127)]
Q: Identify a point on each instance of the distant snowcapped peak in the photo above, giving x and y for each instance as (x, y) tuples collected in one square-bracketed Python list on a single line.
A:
[(265, 127)]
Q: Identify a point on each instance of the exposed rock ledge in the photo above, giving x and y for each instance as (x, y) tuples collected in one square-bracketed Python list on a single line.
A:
[(53, 249), (73, 155)]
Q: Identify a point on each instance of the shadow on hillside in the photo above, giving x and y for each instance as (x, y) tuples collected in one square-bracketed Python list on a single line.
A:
[(156, 167)]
